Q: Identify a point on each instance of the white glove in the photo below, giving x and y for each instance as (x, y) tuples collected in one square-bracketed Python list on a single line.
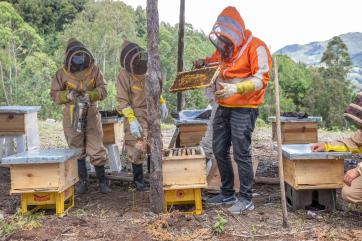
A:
[(71, 95), (226, 91), (136, 129), (164, 111)]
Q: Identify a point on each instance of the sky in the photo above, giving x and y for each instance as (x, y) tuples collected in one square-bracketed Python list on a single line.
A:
[(277, 22)]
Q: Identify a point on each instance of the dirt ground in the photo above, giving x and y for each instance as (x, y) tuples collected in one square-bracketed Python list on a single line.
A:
[(124, 214)]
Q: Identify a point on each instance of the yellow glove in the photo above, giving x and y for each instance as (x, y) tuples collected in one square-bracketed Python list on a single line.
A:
[(228, 90), (93, 95), (162, 100), (129, 114), (245, 87)]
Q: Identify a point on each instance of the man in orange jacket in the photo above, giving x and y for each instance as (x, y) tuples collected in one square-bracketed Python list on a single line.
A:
[(245, 63)]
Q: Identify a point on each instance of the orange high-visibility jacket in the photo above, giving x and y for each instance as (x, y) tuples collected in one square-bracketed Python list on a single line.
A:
[(251, 59)]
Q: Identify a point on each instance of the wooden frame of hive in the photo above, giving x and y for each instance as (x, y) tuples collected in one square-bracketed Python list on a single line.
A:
[(195, 79)]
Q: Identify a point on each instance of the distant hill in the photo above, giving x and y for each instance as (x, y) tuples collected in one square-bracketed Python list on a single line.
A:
[(311, 54)]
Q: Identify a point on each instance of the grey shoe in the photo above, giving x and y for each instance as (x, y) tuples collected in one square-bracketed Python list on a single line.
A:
[(221, 199), (241, 205)]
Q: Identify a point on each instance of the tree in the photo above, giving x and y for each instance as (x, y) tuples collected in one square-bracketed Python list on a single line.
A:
[(336, 59), (153, 92), (48, 16), (18, 40), (328, 98)]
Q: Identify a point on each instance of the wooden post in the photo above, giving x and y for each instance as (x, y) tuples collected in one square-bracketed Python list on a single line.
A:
[(279, 141), (153, 92), (180, 52)]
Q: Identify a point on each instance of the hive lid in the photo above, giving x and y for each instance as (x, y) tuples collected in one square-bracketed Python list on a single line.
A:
[(295, 119), (195, 79), (303, 152), (19, 109), (41, 156)]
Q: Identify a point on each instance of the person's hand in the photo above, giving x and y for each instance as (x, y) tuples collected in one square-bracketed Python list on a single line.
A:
[(317, 147), (226, 91), (136, 129), (164, 111), (72, 94), (199, 63), (350, 176)]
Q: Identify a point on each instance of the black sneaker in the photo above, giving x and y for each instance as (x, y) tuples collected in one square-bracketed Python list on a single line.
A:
[(221, 200)]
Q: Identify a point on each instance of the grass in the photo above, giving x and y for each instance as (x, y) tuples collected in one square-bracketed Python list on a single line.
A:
[(19, 222)]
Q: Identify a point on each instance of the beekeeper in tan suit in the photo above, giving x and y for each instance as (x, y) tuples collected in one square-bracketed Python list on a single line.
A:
[(80, 77), (352, 190), (131, 99)]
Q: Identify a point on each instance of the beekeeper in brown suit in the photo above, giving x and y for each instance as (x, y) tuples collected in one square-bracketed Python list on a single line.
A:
[(132, 104), (81, 78)]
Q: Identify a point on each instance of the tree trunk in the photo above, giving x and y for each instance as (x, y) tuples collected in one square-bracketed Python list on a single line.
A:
[(153, 92), (3, 84), (180, 52)]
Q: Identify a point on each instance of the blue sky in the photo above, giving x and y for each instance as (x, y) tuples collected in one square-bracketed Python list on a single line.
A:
[(277, 22)]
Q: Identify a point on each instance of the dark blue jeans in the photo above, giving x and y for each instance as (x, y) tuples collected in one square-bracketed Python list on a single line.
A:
[(234, 126)]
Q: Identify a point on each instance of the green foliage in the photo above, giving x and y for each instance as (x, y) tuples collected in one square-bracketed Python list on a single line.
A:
[(219, 225), (18, 40), (328, 98), (337, 60), (48, 16), (36, 74)]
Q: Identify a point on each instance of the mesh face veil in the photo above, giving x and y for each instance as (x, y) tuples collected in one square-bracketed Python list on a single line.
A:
[(222, 44)]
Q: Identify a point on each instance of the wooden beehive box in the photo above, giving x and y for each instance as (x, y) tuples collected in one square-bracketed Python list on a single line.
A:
[(52, 170), (191, 134), (111, 125), (18, 119), (304, 169), (297, 131), (195, 79), (184, 168)]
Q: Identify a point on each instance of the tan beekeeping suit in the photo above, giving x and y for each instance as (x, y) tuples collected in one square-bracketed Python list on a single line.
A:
[(353, 144), (131, 93), (89, 80)]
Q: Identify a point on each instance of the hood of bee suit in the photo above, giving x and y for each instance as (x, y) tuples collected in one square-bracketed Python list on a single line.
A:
[(75, 47), (133, 58), (230, 25), (353, 112)]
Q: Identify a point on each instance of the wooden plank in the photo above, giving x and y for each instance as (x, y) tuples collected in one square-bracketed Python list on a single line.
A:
[(34, 177), (192, 128), (289, 172), (70, 173), (174, 138), (319, 173), (185, 172), (109, 133), (12, 123), (188, 139), (297, 132)]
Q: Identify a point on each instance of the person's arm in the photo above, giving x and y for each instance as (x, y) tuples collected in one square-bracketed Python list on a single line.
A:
[(352, 144), (99, 93), (260, 62), (58, 91)]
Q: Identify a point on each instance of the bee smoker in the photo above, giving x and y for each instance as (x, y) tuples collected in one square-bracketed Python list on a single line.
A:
[(80, 113)]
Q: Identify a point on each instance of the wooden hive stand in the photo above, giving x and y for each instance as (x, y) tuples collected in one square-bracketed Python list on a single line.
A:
[(18, 129), (312, 177), (44, 178), (184, 175)]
